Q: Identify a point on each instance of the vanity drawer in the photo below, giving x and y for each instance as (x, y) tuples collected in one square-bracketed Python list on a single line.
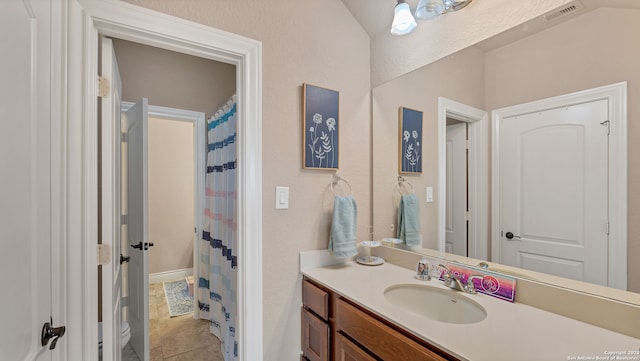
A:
[(315, 299), (379, 338), (345, 350)]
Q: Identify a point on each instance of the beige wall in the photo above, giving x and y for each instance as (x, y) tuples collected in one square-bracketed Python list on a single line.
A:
[(598, 48), (171, 195), (173, 80), (320, 43), (459, 77)]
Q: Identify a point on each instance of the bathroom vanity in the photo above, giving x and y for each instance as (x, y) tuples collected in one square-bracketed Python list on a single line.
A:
[(347, 315), (356, 333)]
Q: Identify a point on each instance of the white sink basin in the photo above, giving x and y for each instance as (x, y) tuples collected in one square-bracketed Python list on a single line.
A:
[(436, 304)]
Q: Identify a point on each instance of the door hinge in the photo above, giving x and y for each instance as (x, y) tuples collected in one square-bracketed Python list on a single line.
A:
[(123, 219), (103, 87), (124, 137), (608, 227), (607, 124), (467, 144), (467, 216), (104, 254)]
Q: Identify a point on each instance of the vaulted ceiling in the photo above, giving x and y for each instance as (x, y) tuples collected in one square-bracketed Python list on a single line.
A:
[(376, 15)]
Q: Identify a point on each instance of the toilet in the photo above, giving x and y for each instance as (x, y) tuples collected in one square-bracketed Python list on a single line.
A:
[(125, 334)]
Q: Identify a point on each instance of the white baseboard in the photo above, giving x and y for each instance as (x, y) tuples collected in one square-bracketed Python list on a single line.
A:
[(170, 275)]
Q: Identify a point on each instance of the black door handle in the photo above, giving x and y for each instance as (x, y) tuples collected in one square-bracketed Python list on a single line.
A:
[(141, 245), (138, 246), (124, 259), (510, 235), (49, 332)]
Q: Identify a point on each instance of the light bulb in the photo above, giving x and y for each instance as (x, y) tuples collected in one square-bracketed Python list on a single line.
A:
[(403, 21)]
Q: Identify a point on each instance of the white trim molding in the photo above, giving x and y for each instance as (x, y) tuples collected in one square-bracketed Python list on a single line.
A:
[(87, 20), (477, 120), (616, 95)]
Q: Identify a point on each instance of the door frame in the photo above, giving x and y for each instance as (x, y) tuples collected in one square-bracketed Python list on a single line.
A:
[(477, 126), (199, 152), (87, 19), (616, 95)]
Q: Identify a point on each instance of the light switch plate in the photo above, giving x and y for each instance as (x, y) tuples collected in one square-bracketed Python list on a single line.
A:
[(282, 197)]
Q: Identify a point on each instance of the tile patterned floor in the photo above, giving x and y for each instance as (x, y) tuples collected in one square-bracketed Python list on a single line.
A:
[(176, 338)]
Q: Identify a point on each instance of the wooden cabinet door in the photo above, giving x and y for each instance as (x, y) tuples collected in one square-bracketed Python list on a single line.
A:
[(315, 337), (345, 350)]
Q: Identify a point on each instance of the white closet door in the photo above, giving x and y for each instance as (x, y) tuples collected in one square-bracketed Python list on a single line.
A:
[(456, 197), (25, 179), (138, 227)]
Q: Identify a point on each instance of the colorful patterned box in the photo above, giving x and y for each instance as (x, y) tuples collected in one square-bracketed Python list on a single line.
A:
[(493, 284)]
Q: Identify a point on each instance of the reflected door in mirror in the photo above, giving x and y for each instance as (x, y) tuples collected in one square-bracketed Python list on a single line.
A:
[(553, 177), (456, 189)]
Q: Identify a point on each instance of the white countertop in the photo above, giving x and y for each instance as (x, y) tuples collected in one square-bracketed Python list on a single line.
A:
[(511, 331)]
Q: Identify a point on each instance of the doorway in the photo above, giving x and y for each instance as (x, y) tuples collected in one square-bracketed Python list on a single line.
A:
[(175, 193), (171, 188), (87, 21), (471, 209)]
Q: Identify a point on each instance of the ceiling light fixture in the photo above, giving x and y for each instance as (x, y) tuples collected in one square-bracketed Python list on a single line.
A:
[(404, 23)]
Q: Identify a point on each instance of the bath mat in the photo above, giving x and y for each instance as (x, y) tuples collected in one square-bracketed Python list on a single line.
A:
[(179, 300)]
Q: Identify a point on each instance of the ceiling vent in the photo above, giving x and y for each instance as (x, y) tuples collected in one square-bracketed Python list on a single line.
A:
[(564, 12)]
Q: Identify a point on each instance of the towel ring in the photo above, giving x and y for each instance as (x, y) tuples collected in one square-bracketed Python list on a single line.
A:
[(337, 179), (403, 182)]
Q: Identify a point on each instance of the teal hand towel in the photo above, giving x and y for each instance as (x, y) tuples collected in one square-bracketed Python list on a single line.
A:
[(409, 220), (342, 241)]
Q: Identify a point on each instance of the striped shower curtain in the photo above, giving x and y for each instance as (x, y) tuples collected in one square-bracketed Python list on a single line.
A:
[(217, 281)]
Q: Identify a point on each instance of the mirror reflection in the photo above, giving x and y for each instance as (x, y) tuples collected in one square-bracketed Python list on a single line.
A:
[(462, 95)]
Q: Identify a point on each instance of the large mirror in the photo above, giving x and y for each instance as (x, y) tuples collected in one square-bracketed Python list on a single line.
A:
[(589, 46)]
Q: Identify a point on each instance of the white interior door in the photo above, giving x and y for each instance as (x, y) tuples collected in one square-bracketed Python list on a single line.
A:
[(25, 206), (554, 198), (456, 190), (110, 207), (137, 225)]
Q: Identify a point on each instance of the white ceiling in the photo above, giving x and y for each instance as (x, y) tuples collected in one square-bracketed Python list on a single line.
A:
[(376, 15)]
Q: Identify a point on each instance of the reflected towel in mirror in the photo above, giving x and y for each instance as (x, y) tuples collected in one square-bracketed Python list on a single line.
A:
[(409, 220), (342, 241)]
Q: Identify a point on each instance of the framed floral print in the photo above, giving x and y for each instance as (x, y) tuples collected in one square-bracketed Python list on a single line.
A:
[(410, 142), (320, 128)]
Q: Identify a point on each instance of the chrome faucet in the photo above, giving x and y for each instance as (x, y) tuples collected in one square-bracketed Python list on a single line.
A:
[(471, 288), (452, 281)]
